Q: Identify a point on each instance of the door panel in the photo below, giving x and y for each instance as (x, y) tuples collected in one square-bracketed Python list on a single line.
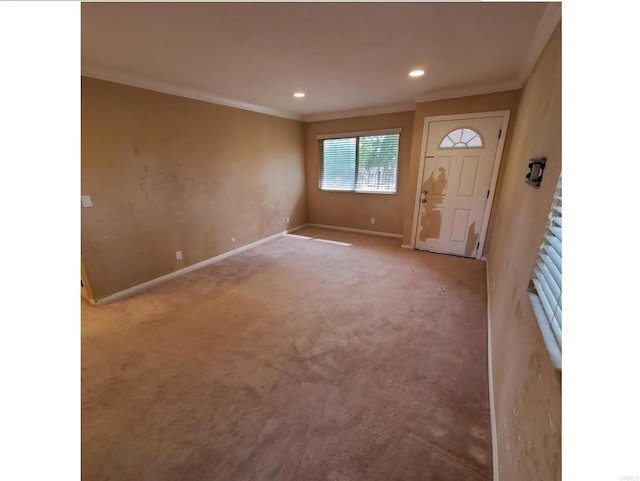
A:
[(455, 184), (460, 225), (469, 176)]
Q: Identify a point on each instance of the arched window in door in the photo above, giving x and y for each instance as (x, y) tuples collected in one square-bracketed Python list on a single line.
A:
[(463, 138)]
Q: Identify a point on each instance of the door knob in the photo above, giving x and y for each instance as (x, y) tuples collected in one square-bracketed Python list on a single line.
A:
[(424, 201)]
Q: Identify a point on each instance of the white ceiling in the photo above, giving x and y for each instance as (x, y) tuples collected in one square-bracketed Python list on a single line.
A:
[(349, 58)]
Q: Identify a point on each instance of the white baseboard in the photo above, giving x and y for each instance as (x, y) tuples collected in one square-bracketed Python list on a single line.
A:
[(301, 226), (492, 402), (358, 231), (199, 265), (172, 275)]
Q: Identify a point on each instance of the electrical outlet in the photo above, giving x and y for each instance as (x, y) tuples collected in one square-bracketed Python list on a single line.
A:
[(287, 220), (179, 255), (373, 220), (86, 201), (233, 239)]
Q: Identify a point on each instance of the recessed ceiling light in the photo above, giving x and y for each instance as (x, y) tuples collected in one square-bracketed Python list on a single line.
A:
[(299, 94), (416, 73)]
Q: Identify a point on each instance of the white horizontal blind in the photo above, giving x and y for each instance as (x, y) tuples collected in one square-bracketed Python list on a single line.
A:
[(338, 168), (360, 164), (378, 163), (547, 274)]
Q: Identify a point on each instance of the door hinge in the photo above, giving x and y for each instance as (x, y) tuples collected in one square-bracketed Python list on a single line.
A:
[(488, 193), (500, 133), (478, 246)]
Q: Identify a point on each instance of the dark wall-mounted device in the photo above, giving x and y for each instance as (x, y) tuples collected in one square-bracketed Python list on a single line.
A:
[(536, 169)]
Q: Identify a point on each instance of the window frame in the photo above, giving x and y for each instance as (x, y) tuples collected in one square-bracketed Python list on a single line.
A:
[(465, 146), (552, 340), (345, 135)]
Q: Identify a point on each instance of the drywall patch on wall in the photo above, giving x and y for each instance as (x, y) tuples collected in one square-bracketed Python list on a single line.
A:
[(531, 452)]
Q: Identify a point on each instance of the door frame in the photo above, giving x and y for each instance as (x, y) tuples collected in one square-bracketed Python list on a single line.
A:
[(505, 114)]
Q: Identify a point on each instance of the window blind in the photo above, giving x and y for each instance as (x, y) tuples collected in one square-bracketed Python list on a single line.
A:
[(546, 282), (338, 168), (361, 164), (377, 163)]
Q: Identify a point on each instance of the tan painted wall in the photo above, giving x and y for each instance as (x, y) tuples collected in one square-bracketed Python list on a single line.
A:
[(526, 386), (349, 209), (85, 289), (167, 173), (462, 105)]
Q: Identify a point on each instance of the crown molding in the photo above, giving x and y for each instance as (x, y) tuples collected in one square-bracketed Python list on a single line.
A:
[(453, 93), (345, 114), (109, 75), (548, 22)]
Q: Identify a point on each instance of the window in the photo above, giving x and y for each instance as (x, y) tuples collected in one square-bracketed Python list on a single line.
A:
[(545, 288), (366, 162), (465, 138)]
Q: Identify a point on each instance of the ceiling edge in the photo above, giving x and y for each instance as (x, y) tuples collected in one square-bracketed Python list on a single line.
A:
[(468, 91), (145, 83), (548, 22), (345, 114)]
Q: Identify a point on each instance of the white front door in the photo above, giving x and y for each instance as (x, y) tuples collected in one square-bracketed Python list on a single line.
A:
[(459, 162)]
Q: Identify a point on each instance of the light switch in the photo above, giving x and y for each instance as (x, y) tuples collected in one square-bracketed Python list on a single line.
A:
[(86, 201)]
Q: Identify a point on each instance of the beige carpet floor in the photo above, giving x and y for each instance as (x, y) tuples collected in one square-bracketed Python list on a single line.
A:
[(297, 360)]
